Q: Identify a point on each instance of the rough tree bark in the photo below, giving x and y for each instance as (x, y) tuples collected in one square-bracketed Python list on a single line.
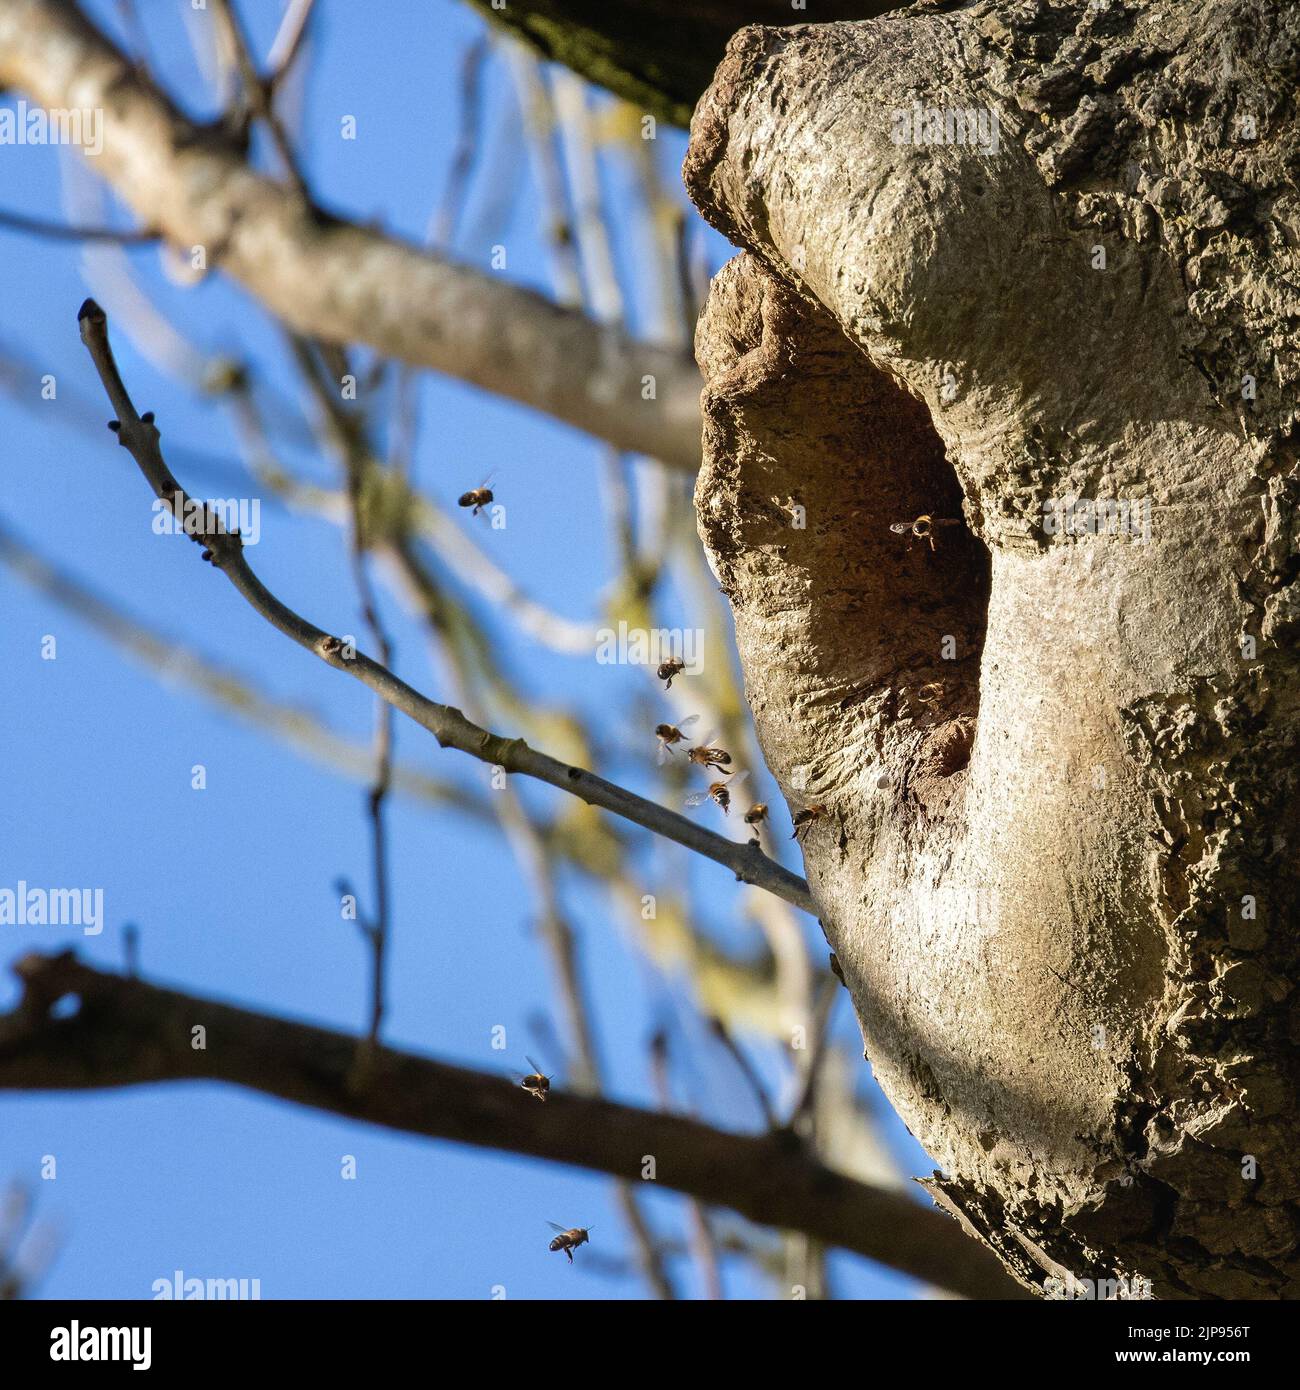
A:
[(1058, 864)]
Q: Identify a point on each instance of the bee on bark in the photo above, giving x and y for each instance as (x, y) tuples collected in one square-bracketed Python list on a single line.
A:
[(569, 1240), (1171, 846), (718, 792), (536, 1083), (805, 820), (674, 666), (478, 497), (923, 527), (668, 734)]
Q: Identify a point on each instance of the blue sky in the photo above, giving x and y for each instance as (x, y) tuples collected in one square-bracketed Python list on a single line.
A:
[(232, 886)]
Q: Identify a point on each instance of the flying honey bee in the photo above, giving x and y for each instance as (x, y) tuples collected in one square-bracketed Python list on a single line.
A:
[(703, 755), (720, 792), (478, 497), (923, 527), (756, 814), (803, 820), (536, 1083), (668, 734), (674, 666), (569, 1240)]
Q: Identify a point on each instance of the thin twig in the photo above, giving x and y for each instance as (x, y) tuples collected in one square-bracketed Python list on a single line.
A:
[(755, 1082), (287, 43), (345, 435), (703, 1244), (139, 435), (538, 113), (801, 1117), (258, 91), (723, 979), (440, 234), (38, 226), (131, 949), (603, 296), (27, 1246)]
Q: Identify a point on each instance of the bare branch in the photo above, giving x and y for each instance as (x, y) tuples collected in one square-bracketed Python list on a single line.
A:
[(139, 435), (440, 232), (288, 41), (126, 1033), (746, 1069), (803, 1115), (703, 1244), (315, 362), (337, 281), (258, 93), (58, 231)]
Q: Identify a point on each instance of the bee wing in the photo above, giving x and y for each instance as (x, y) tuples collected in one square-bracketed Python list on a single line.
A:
[(737, 779), (688, 721), (695, 799), (901, 527), (704, 742), (664, 753), (562, 1229), (537, 1071)]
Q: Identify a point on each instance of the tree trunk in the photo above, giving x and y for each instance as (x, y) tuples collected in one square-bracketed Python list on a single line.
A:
[(999, 258)]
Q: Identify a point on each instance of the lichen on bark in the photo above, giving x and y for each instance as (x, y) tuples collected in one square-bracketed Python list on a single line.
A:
[(1057, 864)]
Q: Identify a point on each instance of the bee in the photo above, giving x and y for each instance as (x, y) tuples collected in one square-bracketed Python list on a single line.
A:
[(478, 497), (720, 792), (668, 734), (923, 527), (536, 1083), (706, 756), (1170, 845), (756, 814), (930, 693), (674, 666), (804, 819), (569, 1240)]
